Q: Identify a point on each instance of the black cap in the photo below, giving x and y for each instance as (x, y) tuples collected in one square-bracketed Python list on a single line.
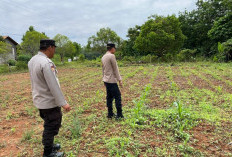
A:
[(47, 43), (110, 45)]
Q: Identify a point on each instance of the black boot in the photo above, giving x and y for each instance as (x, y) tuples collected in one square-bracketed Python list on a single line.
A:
[(110, 112), (119, 113), (55, 154), (56, 147)]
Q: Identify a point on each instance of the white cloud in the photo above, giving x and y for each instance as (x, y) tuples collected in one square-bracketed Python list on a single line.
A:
[(80, 19)]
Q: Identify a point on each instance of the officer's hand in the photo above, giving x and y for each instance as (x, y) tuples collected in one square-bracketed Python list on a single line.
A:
[(120, 84), (66, 107)]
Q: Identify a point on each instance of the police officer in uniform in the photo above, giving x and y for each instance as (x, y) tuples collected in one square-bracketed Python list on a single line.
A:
[(47, 95), (111, 76)]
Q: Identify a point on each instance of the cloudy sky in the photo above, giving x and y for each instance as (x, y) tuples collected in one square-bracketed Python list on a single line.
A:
[(80, 19)]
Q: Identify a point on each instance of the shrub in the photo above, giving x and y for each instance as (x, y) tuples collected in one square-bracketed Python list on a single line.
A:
[(92, 55), (130, 59), (11, 62), (4, 69), (186, 55), (148, 59), (24, 58), (118, 55), (93, 63), (224, 52), (21, 65), (82, 57), (215, 59), (227, 50)]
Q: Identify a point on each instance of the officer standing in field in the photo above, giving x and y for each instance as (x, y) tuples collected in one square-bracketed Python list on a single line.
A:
[(47, 95), (110, 78)]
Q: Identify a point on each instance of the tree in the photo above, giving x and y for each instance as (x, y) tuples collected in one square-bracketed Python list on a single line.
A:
[(65, 47), (222, 29), (31, 41), (31, 29), (196, 24), (77, 48), (5, 48), (160, 36), (128, 45), (104, 35), (1, 38), (225, 51)]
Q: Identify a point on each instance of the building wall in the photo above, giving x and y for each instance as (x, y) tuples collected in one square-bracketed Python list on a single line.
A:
[(12, 54), (13, 49)]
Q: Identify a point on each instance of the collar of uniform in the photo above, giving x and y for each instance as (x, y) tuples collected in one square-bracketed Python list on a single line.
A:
[(108, 52), (42, 54)]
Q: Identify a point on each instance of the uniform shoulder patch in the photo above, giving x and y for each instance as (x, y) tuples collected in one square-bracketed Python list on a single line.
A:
[(53, 68)]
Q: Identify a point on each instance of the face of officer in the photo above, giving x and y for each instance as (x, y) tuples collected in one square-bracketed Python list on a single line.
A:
[(51, 51), (113, 50)]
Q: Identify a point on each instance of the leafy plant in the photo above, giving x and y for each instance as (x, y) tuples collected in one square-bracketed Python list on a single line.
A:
[(176, 119), (221, 48), (139, 104)]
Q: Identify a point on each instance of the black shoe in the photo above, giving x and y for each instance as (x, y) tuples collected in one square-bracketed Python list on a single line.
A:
[(120, 116), (110, 115), (56, 147), (55, 154)]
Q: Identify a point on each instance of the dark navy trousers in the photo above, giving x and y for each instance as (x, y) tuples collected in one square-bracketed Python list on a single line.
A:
[(52, 122), (113, 92)]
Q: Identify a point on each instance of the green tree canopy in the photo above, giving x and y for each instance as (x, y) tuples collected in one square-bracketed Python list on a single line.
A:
[(160, 36), (128, 45), (5, 48), (1, 38), (77, 48), (31, 29), (196, 24), (31, 41), (222, 29), (104, 35), (65, 46)]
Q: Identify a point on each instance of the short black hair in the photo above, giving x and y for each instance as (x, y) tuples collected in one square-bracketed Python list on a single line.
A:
[(46, 43), (44, 47), (110, 46)]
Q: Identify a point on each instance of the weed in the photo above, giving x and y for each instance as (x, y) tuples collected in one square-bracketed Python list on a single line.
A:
[(161, 151), (117, 146), (27, 135), (139, 105), (12, 130), (176, 119), (9, 116), (75, 127), (31, 111)]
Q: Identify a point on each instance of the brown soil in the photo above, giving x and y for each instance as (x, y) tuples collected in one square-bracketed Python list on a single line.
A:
[(208, 138)]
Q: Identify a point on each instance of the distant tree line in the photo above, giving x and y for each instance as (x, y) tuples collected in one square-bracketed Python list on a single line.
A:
[(203, 33), (190, 36), (31, 40), (207, 26)]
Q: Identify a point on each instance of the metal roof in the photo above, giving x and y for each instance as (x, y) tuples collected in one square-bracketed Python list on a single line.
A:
[(9, 38)]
